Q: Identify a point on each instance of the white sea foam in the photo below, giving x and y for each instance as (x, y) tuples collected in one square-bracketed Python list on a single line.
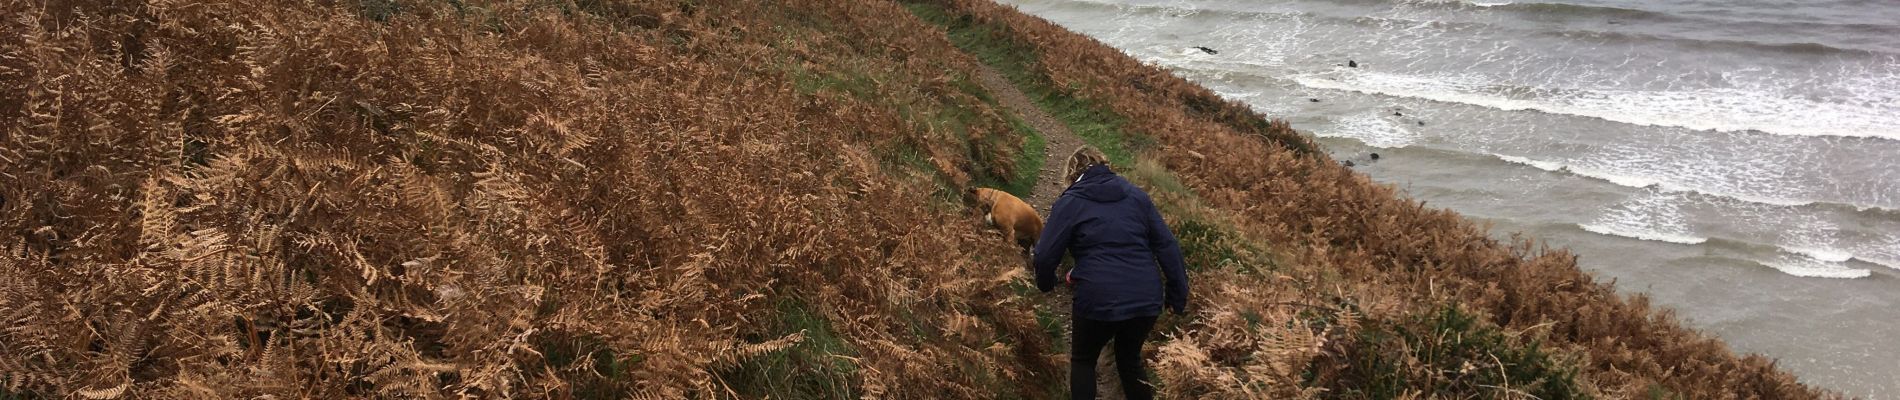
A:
[(1491, 3), (1757, 199), (1646, 182), (1235, 95), (1651, 216), (1543, 165), (1803, 266), (1810, 271), (1713, 109), (1811, 247), (1553, 166), (1885, 252), (1808, 246), (1620, 179), (1895, 264), (1822, 254), (1374, 131), (1638, 232)]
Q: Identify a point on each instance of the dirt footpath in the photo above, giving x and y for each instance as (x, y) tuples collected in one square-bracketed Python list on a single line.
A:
[(1060, 143)]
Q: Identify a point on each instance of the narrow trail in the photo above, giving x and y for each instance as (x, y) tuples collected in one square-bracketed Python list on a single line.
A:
[(1060, 142)]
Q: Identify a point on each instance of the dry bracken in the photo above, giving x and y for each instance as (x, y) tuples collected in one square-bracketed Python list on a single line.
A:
[(667, 199), (490, 199)]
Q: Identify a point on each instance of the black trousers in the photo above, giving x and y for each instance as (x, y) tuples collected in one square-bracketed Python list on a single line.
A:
[(1086, 345)]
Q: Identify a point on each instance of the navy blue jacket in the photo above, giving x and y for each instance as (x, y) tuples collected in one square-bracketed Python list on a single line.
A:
[(1118, 239)]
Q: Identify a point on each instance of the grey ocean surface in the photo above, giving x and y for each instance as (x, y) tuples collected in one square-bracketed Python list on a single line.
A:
[(1737, 160)]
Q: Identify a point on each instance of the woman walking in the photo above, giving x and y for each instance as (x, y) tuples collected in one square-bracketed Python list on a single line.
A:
[(1118, 240)]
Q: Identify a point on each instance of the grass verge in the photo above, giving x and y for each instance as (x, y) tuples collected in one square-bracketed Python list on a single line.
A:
[(600, 373), (1004, 161), (1028, 162), (1017, 62), (1452, 351), (817, 368)]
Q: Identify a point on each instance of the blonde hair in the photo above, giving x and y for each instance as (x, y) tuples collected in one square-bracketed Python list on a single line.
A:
[(1083, 158)]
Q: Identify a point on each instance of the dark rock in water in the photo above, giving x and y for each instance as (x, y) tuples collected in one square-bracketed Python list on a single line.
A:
[(1375, 156), (1352, 64), (1207, 50), (1313, 100), (1347, 163)]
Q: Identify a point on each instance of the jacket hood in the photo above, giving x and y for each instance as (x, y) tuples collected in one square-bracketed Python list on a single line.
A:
[(1098, 184)]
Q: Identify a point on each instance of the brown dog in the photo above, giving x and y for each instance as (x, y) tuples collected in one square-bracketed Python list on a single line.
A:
[(1017, 219)]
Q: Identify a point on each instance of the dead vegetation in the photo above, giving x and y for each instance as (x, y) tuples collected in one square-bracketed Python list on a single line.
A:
[(670, 199), (1370, 289), (496, 199)]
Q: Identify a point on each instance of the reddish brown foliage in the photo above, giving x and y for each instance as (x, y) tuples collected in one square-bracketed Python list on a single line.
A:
[(423, 199), (397, 199), (1389, 253)]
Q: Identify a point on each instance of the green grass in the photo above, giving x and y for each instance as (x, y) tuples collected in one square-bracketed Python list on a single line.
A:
[(1659, 392), (1017, 62), (812, 368), (1017, 175), (11, 395), (379, 10), (1206, 241), (1097, 126), (815, 368), (1028, 163), (1240, 119), (1055, 327), (1051, 322), (606, 378), (1204, 244), (894, 156), (1452, 353), (849, 81)]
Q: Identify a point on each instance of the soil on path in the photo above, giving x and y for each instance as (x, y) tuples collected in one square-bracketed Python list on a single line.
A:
[(1060, 143)]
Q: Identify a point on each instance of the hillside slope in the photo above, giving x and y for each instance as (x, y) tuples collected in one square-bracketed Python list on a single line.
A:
[(599, 198), (1448, 312), (497, 199)]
